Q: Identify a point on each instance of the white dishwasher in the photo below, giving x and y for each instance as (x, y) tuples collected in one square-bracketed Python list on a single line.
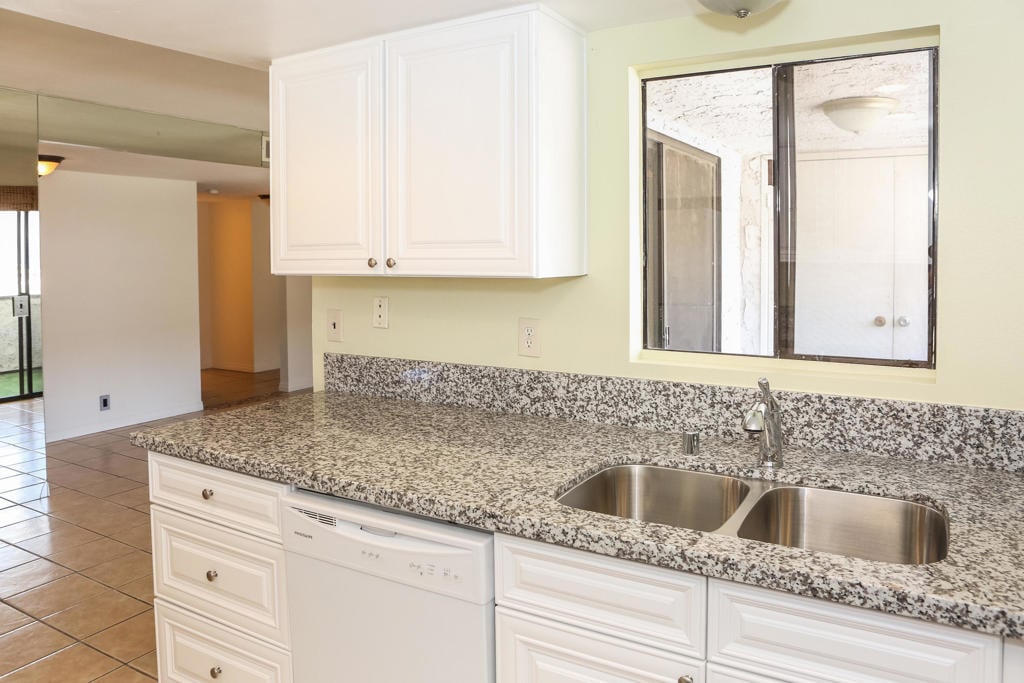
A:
[(382, 597)]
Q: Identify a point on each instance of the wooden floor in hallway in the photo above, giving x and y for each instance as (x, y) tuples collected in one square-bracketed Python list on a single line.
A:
[(222, 388)]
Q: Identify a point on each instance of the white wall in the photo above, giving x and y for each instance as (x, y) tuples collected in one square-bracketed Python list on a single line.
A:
[(297, 346), (120, 293)]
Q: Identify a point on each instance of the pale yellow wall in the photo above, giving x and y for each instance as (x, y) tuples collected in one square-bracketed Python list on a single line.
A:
[(590, 324)]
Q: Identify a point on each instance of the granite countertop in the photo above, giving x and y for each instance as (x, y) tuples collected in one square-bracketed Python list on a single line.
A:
[(503, 472)]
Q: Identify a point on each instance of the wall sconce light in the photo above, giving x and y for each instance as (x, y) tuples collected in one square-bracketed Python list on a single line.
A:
[(48, 163), (738, 8), (858, 114)]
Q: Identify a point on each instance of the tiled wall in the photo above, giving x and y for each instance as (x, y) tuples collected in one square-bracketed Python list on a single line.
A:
[(980, 437)]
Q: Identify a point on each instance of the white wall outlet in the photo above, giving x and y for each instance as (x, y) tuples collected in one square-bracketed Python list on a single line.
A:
[(105, 402), (334, 325), (380, 312), (529, 337)]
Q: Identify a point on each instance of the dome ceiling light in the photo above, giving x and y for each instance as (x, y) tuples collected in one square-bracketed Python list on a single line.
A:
[(48, 163), (859, 114), (738, 8)]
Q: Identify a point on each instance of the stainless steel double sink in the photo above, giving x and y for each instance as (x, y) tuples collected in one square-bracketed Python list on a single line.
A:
[(851, 524)]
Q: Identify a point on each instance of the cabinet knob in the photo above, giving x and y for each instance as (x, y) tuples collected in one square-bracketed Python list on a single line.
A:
[(686, 679), (211, 575), (372, 262), (207, 494), (215, 672), (903, 321), (391, 263), (880, 321)]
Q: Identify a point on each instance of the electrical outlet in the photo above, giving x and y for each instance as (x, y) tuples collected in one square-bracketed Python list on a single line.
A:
[(529, 337), (105, 402), (380, 312), (334, 325)]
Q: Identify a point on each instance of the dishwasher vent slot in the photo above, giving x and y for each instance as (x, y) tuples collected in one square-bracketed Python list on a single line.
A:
[(326, 520)]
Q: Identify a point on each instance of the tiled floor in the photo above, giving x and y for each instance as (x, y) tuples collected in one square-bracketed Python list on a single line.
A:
[(76, 582)]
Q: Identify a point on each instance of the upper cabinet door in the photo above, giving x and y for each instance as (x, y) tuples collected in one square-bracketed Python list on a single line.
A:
[(326, 157), (459, 149)]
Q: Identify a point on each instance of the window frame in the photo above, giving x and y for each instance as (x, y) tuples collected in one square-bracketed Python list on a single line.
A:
[(784, 228)]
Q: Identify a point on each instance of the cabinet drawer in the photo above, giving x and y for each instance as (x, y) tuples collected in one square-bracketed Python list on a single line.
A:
[(648, 605), (190, 648), (792, 638), (227, 576), (532, 649), (235, 500), (716, 673)]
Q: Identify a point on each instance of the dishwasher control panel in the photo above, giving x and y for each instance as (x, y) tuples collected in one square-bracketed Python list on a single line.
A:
[(435, 556)]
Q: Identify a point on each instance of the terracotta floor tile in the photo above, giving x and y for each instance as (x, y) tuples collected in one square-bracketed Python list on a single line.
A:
[(30, 466), (109, 523), (125, 675), (94, 614), (87, 508), (27, 644), (30, 494), (100, 439), (18, 481), (26, 440), (146, 663), (122, 570), (56, 596), (75, 664), (64, 538), (70, 452), (29, 575), (12, 556), (91, 554), (61, 500), (136, 452), (37, 526), (16, 513), (138, 536), (136, 496), (10, 455), (141, 588), (109, 486), (11, 618), (128, 640)]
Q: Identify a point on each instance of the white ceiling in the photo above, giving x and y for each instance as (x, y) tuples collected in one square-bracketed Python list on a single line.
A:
[(252, 32)]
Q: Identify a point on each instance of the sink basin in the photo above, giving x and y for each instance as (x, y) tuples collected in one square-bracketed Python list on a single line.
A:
[(868, 527), (694, 500)]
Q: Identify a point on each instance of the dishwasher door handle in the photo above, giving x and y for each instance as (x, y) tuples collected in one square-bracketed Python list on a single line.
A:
[(377, 531)]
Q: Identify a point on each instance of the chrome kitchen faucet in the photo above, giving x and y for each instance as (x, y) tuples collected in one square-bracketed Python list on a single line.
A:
[(764, 417)]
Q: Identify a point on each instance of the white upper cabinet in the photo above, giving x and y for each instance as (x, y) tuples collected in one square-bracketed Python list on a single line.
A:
[(452, 150), (326, 167)]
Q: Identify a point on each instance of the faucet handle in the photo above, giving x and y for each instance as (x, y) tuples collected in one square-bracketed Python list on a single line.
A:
[(753, 419)]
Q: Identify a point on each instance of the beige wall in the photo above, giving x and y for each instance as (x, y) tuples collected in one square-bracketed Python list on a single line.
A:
[(229, 295), (120, 300), (267, 294), (592, 324)]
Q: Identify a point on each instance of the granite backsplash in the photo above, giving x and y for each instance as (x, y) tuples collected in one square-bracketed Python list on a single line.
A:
[(979, 437)]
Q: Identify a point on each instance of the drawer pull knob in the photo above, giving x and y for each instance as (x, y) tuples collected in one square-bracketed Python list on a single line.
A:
[(211, 575), (215, 672), (686, 679), (391, 263), (207, 494), (371, 262)]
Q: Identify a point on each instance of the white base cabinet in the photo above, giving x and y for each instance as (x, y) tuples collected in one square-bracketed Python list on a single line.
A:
[(453, 150), (536, 650), (220, 607), (568, 615)]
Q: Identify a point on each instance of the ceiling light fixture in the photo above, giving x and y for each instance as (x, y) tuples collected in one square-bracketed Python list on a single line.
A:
[(48, 163), (859, 114), (738, 8)]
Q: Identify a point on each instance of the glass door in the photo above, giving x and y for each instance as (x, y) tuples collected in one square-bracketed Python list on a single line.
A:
[(21, 356)]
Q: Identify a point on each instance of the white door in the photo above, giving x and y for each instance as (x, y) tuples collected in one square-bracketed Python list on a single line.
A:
[(326, 162), (861, 257), (459, 141)]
